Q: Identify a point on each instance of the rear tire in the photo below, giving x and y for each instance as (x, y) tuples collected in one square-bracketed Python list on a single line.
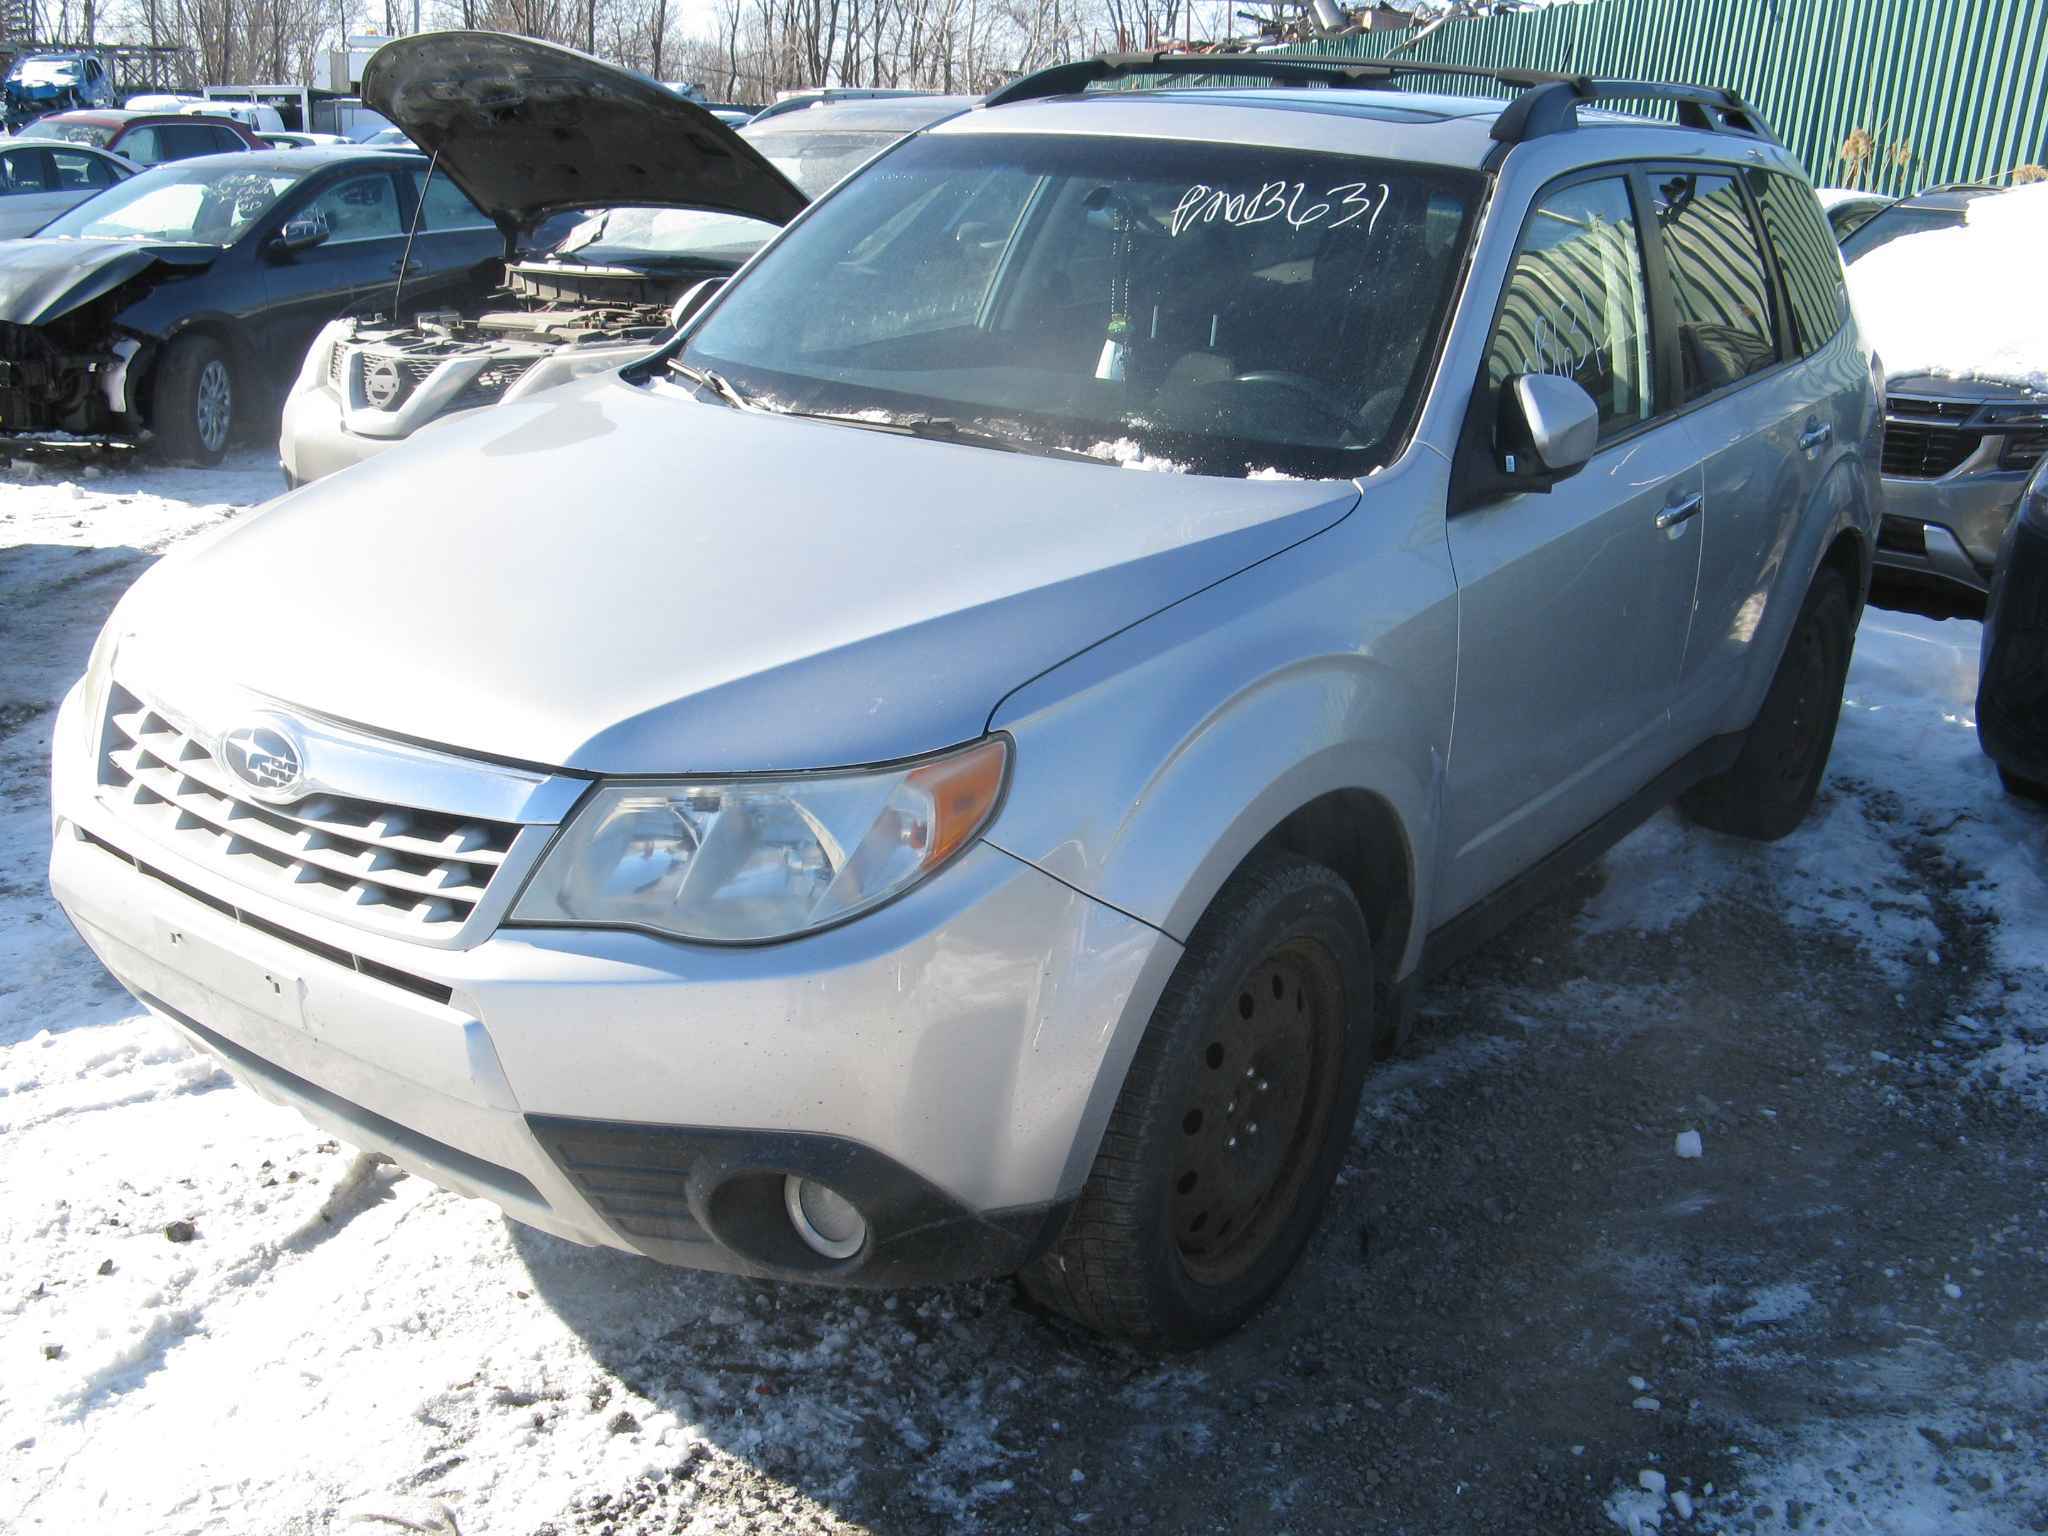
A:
[(1230, 1127), (1770, 787), (192, 401), (2022, 788)]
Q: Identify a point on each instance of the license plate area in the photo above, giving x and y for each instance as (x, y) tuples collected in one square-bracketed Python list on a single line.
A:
[(275, 994)]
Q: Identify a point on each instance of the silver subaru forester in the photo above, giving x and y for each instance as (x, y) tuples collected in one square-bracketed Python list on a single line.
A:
[(956, 764)]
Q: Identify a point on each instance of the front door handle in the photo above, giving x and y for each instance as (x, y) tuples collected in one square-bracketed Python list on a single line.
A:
[(1681, 511), (1815, 436)]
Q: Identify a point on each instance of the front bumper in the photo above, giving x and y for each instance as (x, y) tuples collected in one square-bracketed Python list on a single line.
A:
[(936, 1061), (1945, 532)]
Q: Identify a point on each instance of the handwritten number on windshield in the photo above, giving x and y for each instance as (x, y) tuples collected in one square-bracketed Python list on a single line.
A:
[(1204, 204)]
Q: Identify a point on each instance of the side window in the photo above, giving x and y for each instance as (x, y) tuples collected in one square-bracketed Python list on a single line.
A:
[(1718, 278), (182, 141), (1576, 304), (23, 170), (224, 140), (143, 147), (1808, 257), (75, 169), (442, 205), (359, 208)]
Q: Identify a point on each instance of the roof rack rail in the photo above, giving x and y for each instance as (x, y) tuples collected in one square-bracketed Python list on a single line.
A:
[(1547, 103)]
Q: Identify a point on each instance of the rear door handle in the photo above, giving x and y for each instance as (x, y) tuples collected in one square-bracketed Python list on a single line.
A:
[(1681, 511), (1815, 436)]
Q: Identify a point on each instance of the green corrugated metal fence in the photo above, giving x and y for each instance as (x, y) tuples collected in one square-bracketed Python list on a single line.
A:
[(1946, 90)]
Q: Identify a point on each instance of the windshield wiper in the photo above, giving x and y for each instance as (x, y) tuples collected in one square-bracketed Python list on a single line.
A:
[(943, 429), (704, 378)]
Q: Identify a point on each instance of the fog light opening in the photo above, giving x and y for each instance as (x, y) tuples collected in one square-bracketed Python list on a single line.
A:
[(823, 1218)]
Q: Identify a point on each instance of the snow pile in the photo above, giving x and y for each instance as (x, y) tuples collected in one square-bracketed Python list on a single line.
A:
[(1963, 303)]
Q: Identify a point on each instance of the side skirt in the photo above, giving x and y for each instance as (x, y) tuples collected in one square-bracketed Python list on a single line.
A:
[(1485, 918)]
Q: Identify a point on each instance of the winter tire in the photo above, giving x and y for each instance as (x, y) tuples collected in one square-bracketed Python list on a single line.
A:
[(2022, 788), (192, 401), (1772, 783), (1232, 1121)]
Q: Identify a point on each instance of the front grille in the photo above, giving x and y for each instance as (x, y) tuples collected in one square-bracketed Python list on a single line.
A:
[(337, 365), (491, 384), (1929, 410), (416, 874), (1916, 452), (2023, 450)]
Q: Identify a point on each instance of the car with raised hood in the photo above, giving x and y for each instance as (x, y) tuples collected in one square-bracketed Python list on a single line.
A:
[(175, 307), (615, 285), (957, 763)]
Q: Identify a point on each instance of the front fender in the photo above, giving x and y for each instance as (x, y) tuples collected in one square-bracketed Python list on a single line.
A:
[(1151, 764)]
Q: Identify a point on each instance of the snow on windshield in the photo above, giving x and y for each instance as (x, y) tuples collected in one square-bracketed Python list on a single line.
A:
[(1962, 302)]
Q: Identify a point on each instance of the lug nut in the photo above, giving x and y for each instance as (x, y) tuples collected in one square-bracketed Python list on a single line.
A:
[(1251, 1128), (1230, 1142)]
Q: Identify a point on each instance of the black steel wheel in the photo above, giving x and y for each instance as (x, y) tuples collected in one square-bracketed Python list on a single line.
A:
[(1233, 1117)]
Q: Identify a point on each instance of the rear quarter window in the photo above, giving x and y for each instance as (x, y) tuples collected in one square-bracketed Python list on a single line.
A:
[(1810, 261)]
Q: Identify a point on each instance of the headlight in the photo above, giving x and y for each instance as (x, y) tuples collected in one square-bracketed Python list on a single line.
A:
[(751, 859)]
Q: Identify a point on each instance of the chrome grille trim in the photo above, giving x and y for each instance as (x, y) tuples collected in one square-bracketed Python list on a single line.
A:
[(428, 869)]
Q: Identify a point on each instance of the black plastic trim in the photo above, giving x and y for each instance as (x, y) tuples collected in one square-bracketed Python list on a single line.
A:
[(712, 1198), (1471, 928)]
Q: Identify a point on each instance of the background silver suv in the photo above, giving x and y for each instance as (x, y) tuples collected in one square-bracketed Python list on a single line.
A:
[(1210, 556)]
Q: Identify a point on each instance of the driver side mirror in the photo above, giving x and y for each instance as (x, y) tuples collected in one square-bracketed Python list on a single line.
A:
[(1549, 428), (299, 234)]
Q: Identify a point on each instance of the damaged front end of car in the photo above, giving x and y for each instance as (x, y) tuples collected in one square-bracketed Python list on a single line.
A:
[(69, 364)]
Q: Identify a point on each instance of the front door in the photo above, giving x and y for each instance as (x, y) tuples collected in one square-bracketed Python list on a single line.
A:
[(1573, 604), (355, 266)]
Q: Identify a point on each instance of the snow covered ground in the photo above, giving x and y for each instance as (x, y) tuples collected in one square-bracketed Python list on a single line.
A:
[(332, 1342)]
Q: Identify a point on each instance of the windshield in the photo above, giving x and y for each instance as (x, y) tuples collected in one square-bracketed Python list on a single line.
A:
[(206, 205), (97, 135), (34, 71), (1221, 309), (1895, 222), (818, 160)]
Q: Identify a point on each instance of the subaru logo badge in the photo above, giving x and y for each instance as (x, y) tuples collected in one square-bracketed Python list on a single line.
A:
[(265, 758)]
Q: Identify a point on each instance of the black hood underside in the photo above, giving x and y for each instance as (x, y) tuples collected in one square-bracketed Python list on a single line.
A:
[(525, 128)]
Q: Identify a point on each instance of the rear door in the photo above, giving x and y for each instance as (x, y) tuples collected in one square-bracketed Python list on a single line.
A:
[(1766, 426), (29, 195), (1573, 604)]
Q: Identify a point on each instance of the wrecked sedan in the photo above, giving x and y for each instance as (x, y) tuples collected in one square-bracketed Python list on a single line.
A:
[(174, 307), (659, 235)]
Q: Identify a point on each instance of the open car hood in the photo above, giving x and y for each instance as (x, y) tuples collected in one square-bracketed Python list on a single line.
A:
[(525, 128)]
